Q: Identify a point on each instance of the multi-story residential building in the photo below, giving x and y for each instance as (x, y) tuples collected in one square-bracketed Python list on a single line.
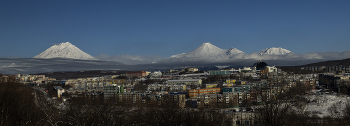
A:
[(242, 88), (118, 81), (329, 80), (210, 100), (230, 99), (236, 98), (110, 92), (177, 88), (174, 99), (193, 93), (149, 99), (167, 87), (269, 69), (132, 98), (337, 68), (245, 118), (220, 72), (243, 97), (255, 96), (157, 87), (196, 82), (138, 74), (228, 89), (309, 82), (266, 94)]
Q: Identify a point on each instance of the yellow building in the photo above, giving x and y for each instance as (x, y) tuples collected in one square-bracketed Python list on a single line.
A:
[(211, 85), (193, 93), (232, 81)]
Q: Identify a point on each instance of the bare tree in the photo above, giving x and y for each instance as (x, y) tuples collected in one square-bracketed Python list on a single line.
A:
[(285, 109)]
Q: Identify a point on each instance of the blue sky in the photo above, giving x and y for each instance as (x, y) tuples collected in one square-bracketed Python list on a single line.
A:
[(169, 27)]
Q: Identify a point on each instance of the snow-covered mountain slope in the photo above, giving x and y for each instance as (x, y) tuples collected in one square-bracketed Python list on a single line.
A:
[(233, 51), (64, 50), (209, 51), (206, 49), (274, 51)]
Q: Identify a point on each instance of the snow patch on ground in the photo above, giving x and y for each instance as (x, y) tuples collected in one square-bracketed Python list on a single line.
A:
[(320, 104)]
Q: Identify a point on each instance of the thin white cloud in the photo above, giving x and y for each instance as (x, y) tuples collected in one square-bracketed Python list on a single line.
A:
[(126, 62), (130, 59)]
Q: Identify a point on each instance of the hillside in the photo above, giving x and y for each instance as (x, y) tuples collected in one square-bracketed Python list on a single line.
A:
[(344, 62)]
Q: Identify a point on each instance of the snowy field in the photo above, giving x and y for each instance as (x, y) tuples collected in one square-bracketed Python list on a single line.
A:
[(320, 104)]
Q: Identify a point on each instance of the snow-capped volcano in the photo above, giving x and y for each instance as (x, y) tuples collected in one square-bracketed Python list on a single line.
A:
[(64, 50), (232, 51), (274, 51), (206, 49), (210, 51)]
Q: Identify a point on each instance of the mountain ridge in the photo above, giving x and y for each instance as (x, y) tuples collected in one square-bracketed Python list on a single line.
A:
[(210, 51)]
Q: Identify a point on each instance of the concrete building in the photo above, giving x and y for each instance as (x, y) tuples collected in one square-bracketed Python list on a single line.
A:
[(110, 92), (196, 82), (143, 99), (167, 87), (269, 69), (177, 88), (231, 99), (138, 74), (245, 118), (193, 93), (220, 72), (132, 98), (255, 96), (174, 99), (210, 100)]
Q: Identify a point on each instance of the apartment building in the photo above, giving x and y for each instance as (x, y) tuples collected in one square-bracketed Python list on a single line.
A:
[(167, 87), (245, 118), (141, 99), (110, 92), (138, 74), (196, 82), (220, 72), (210, 100), (193, 93)]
